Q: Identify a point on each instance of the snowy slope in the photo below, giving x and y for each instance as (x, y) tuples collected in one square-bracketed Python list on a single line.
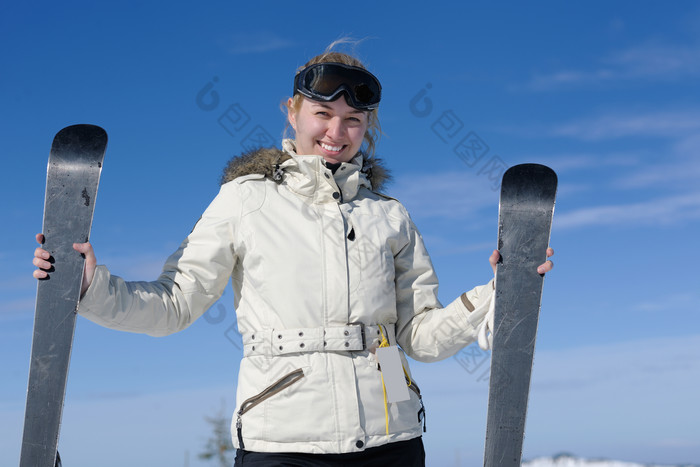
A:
[(566, 460)]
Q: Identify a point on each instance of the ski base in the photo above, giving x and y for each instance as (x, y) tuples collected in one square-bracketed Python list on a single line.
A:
[(73, 174), (525, 216)]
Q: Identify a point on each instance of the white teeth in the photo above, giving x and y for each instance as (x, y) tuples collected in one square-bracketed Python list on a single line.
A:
[(331, 148)]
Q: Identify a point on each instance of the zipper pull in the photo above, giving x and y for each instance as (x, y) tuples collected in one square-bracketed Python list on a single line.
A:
[(239, 431), (422, 412)]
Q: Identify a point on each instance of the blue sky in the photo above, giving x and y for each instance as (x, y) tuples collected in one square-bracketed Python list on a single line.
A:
[(604, 93)]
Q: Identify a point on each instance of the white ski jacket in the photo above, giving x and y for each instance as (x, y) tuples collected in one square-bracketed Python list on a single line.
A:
[(319, 261)]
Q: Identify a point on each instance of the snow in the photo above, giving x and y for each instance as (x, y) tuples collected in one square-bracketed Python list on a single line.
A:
[(566, 460)]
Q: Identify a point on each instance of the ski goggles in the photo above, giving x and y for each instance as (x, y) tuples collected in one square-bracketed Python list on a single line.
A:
[(325, 81)]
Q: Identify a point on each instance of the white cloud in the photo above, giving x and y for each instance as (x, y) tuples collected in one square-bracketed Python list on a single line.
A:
[(671, 174), (689, 146), (671, 123), (564, 162), (451, 195), (657, 61), (255, 42), (668, 210), (680, 168), (596, 400), (644, 62), (678, 301), (670, 166), (559, 78), (639, 390), (570, 461), (464, 195)]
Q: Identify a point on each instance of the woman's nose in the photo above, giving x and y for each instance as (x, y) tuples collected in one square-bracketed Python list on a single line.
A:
[(335, 128)]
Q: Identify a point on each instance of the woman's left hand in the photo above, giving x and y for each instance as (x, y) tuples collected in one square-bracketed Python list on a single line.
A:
[(541, 269)]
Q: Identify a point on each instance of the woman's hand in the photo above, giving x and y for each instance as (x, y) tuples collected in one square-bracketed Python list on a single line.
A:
[(541, 269), (44, 263), (547, 265)]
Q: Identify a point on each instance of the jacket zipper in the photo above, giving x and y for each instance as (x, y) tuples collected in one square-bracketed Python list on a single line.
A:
[(279, 385), (421, 413)]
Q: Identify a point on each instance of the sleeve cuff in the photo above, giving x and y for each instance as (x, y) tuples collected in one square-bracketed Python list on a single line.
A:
[(100, 281), (477, 302)]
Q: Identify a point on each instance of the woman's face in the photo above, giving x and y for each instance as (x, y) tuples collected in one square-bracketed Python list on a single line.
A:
[(333, 130)]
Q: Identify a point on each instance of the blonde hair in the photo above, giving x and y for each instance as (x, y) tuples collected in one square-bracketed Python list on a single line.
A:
[(374, 129)]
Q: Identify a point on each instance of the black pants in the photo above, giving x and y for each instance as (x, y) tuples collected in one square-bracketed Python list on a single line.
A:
[(403, 453)]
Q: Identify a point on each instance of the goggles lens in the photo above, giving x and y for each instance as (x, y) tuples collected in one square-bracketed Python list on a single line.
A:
[(325, 81)]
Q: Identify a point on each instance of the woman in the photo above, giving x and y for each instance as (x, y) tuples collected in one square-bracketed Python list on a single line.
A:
[(325, 270)]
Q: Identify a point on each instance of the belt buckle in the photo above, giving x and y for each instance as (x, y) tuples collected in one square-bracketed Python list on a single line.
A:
[(362, 333)]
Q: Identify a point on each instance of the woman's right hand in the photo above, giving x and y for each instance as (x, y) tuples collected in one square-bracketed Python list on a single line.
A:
[(42, 260)]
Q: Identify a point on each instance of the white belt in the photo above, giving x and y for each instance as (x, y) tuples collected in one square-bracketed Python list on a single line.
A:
[(347, 338)]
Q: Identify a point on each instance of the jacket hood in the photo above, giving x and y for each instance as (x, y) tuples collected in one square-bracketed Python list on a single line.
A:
[(266, 161)]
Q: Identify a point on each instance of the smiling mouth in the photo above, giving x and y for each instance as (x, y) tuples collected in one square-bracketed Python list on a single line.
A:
[(328, 147)]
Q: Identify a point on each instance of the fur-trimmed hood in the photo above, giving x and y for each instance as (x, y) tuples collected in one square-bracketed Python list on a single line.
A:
[(267, 161)]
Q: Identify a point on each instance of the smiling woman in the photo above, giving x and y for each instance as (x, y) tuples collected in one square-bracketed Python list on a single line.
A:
[(333, 287), (333, 130), (330, 75)]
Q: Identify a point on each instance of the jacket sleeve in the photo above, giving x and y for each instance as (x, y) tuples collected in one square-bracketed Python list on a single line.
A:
[(426, 331), (193, 278)]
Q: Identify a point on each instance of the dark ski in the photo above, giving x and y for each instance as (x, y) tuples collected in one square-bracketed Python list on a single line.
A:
[(524, 224), (73, 174)]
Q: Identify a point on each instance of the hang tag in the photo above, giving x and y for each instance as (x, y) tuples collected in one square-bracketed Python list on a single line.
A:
[(392, 372)]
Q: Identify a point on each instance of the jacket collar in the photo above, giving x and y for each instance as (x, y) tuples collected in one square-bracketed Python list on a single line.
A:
[(307, 175)]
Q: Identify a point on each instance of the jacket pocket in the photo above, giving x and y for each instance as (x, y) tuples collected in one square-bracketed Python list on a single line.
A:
[(276, 387), (421, 413)]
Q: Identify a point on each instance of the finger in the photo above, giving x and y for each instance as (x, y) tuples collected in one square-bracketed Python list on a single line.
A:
[(546, 267), (493, 259), (39, 274), (42, 264), (90, 264), (84, 248), (41, 253), (550, 252), (87, 250), (40, 239)]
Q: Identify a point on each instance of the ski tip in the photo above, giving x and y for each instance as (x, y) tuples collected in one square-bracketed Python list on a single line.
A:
[(529, 181), (83, 141), (86, 129), (532, 168), (531, 171)]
